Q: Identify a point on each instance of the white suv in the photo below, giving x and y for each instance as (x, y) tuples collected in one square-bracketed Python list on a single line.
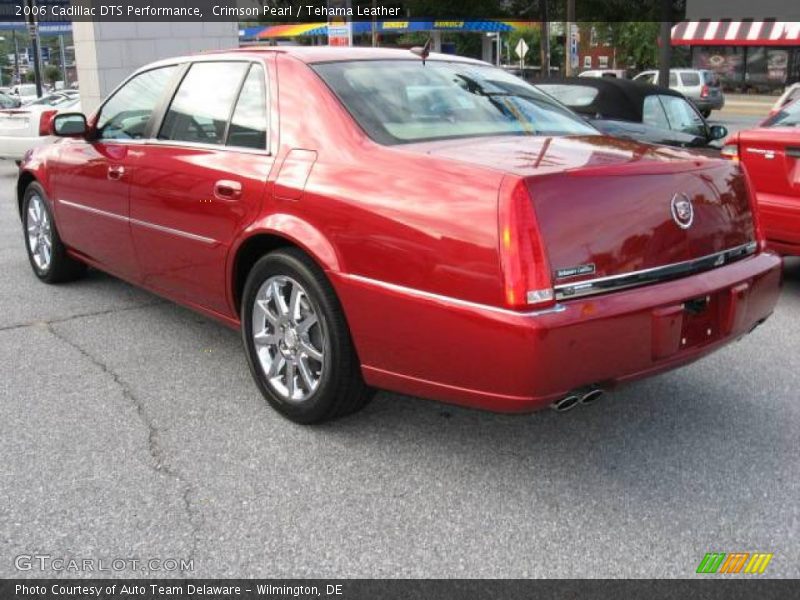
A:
[(700, 86)]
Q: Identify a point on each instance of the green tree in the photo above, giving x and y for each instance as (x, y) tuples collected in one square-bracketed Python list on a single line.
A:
[(52, 74)]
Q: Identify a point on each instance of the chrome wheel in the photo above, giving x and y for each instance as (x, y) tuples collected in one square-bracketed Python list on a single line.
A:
[(289, 338), (40, 233)]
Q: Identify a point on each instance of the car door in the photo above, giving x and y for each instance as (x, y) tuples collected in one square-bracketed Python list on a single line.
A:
[(201, 180), (91, 178)]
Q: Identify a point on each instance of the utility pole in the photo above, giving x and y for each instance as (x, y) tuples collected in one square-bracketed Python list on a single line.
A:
[(374, 24), (568, 71), (63, 60), (33, 29), (545, 39), (16, 58), (665, 50)]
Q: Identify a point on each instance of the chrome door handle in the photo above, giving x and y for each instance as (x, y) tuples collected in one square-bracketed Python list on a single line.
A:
[(227, 190), (116, 172)]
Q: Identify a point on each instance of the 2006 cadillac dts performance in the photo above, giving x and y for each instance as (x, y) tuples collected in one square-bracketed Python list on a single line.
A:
[(373, 220)]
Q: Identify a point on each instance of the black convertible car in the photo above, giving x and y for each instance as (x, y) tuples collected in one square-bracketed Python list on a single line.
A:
[(639, 111)]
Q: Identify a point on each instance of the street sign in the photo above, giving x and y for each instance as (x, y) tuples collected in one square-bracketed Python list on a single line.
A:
[(521, 49)]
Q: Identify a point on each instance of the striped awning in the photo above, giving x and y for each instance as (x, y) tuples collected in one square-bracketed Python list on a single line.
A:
[(736, 33)]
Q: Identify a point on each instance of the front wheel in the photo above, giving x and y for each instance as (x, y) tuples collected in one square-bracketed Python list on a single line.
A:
[(297, 341), (46, 252)]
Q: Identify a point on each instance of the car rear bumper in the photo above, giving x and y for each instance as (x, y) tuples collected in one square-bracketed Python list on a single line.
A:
[(716, 103), (780, 218), (14, 148), (431, 346)]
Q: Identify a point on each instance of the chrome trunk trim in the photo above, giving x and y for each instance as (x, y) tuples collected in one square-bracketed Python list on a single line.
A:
[(603, 285)]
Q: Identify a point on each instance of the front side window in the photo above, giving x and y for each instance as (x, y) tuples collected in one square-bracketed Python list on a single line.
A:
[(201, 108), (400, 101), (682, 116), (249, 121), (653, 113), (125, 115)]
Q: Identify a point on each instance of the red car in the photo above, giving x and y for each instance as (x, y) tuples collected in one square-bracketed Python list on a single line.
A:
[(771, 156), (369, 220)]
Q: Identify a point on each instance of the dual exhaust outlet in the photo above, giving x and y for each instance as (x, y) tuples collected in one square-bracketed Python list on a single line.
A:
[(583, 396)]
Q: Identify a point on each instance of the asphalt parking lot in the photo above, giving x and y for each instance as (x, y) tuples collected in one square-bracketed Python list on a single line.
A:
[(131, 428)]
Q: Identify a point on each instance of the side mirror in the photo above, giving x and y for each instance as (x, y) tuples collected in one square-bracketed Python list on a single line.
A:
[(717, 132), (69, 125)]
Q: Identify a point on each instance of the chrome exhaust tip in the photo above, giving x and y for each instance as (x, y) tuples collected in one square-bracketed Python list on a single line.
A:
[(592, 396), (566, 403)]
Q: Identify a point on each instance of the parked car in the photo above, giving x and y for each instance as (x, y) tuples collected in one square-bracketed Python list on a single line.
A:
[(699, 85), (438, 228), (609, 73), (7, 101), (771, 156), (637, 111), (26, 92), (28, 126)]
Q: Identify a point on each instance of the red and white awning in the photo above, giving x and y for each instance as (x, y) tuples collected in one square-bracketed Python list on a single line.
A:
[(736, 33)]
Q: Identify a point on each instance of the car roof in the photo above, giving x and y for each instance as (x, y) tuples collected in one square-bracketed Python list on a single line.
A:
[(616, 98), (318, 54)]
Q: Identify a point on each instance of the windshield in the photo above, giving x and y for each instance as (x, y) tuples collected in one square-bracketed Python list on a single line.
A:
[(787, 116), (401, 101), (55, 100)]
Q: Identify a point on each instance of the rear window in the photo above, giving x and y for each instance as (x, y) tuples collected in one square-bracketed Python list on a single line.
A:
[(404, 101), (690, 79), (710, 78), (571, 95)]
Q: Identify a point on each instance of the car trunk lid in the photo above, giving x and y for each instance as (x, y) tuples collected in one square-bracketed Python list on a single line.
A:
[(616, 211)]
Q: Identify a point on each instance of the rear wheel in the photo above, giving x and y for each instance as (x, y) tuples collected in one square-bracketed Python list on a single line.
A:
[(46, 252), (297, 341)]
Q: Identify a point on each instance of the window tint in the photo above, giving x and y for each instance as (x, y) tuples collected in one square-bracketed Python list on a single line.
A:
[(682, 117), (125, 115), (653, 113), (690, 79), (201, 107), (249, 122)]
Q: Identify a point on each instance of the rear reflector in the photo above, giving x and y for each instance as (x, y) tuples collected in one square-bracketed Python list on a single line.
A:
[(526, 270)]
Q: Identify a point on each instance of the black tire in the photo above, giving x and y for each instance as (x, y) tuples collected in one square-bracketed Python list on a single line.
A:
[(706, 113), (341, 389), (61, 267)]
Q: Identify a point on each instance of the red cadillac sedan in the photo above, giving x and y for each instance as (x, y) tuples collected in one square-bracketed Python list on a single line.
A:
[(771, 156), (370, 220)]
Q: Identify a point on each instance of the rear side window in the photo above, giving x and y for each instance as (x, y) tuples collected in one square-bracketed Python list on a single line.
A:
[(125, 115), (202, 106), (249, 122), (690, 79)]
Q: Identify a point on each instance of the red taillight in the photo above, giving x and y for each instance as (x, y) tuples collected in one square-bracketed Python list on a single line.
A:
[(704, 92), (761, 239), (526, 270), (44, 121)]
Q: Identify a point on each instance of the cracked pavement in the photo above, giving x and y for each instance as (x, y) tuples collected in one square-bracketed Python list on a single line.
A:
[(131, 429)]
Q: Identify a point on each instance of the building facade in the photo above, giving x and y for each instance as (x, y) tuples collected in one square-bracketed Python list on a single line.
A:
[(759, 56)]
